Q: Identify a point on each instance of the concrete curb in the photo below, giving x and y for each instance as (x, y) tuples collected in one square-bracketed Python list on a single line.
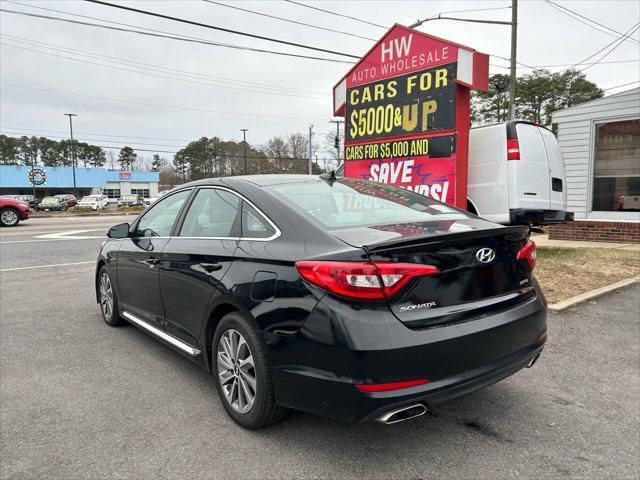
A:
[(583, 297)]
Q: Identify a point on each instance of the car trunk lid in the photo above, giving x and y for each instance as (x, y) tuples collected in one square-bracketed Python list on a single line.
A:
[(478, 270)]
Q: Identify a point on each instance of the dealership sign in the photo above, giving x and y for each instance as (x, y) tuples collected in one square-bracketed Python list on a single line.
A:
[(406, 107), (37, 176)]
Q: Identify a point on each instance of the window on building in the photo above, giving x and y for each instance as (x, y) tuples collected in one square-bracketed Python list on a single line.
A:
[(143, 192), (616, 182), (112, 192)]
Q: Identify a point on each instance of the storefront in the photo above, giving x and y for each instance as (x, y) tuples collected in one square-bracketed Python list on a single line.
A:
[(600, 143), (20, 180)]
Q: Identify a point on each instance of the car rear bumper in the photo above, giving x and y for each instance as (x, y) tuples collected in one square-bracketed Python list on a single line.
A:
[(539, 217), (458, 359)]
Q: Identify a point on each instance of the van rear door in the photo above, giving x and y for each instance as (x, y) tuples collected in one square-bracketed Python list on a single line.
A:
[(529, 173), (558, 193)]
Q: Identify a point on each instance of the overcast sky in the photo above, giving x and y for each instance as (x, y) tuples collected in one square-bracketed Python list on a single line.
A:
[(230, 89)]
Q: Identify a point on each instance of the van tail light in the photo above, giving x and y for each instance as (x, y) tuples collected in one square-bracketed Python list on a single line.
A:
[(528, 253), (362, 280), (513, 149)]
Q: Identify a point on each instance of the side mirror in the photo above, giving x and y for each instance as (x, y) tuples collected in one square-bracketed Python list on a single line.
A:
[(119, 231)]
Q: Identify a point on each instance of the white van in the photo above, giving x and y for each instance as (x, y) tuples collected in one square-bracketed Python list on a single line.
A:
[(516, 174)]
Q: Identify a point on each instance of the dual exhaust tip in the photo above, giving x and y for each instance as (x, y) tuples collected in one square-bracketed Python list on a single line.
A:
[(401, 414)]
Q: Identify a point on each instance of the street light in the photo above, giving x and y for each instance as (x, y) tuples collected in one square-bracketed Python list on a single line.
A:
[(514, 41), (73, 150), (244, 140)]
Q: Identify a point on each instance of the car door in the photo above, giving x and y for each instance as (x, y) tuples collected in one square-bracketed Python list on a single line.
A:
[(196, 259), (139, 257)]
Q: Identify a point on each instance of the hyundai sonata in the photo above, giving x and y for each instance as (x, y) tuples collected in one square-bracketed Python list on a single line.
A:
[(338, 297)]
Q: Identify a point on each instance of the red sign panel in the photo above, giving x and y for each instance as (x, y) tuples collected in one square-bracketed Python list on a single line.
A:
[(406, 108), (124, 175)]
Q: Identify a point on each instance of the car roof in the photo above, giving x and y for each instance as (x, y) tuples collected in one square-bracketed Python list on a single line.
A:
[(257, 180)]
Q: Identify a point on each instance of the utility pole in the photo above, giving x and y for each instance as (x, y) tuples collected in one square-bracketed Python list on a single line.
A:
[(310, 160), (73, 149), (514, 38), (514, 44), (244, 140), (337, 140)]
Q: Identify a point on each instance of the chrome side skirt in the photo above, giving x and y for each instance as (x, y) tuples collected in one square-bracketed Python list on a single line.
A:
[(159, 333)]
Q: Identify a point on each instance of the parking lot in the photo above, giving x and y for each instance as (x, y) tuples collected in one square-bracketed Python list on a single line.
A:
[(81, 400)]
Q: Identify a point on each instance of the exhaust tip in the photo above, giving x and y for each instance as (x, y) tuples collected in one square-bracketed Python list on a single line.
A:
[(403, 413), (533, 361)]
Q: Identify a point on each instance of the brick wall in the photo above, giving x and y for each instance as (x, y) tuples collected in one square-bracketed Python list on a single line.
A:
[(596, 231)]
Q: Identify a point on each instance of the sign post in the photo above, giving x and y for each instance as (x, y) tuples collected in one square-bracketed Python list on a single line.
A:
[(406, 105)]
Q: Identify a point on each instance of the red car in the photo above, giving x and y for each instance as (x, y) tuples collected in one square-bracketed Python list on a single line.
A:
[(12, 211)]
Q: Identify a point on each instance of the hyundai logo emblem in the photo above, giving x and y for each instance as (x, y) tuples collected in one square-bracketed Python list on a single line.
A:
[(486, 255)]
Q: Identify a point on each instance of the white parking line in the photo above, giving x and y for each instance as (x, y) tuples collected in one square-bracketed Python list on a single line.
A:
[(45, 266)]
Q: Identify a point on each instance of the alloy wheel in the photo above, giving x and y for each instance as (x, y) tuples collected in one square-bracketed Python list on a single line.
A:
[(236, 371), (106, 296), (9, 217)]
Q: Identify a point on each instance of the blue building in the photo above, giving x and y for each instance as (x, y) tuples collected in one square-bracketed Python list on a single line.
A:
[(15, 180)]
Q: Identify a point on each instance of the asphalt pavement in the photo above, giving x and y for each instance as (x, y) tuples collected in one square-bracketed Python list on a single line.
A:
[(79, 399)]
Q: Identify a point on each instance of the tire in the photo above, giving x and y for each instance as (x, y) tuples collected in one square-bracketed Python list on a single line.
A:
[(9, 217), (108, 309), (263, 411)]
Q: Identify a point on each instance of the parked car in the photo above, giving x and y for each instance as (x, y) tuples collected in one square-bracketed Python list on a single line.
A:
[(28, 199), (96, 202), (130, 200), (69, 199), (52, 203), (12, 211), (337, 297), (516, 175)]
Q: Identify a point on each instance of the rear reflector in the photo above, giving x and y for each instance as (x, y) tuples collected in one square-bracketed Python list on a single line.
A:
[(513, 149), (528, 253), (543, 336), (364, 280), (385, 387)]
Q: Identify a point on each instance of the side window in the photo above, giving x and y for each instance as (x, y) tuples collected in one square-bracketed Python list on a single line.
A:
[(158, 221), (254, 225), (213, 213)]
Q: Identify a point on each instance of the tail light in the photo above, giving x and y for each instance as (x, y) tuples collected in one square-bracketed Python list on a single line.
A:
[(385, 387), (513, 149), (363, 280), (528, 253)]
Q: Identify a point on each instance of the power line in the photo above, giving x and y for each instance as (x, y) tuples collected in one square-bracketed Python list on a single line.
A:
[(232, 81), (573, 14), (288, 20), (177, 107), (87, 140), (619, 41), (142, 72), (337, 14), (221, 29), (567, 64), (174, 37), (23, 129), (464, 11), (623, 85)]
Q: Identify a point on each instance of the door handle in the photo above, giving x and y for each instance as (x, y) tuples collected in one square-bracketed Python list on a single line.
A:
[(152, 261), (211, 267)]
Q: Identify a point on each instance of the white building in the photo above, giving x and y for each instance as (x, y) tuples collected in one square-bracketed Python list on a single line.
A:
[(600, 143)]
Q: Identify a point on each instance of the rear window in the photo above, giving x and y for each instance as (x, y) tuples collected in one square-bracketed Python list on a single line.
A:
[(353, 203), (89, 199), (50, 200)]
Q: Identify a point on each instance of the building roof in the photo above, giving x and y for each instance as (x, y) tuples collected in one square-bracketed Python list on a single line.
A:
[(17, 176), (598, 101)]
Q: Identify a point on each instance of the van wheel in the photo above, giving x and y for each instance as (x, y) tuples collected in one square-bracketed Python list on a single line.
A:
[(242, 373)]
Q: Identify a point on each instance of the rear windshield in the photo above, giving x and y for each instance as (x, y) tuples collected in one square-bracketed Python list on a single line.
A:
[(130, 197), (354, 203), (50, 200), (89, 199)]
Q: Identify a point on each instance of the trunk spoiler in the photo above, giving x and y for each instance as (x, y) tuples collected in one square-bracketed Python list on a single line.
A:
[(431, 239)]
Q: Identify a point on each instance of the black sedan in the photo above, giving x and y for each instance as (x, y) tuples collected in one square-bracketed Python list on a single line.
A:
[(343, 298)]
